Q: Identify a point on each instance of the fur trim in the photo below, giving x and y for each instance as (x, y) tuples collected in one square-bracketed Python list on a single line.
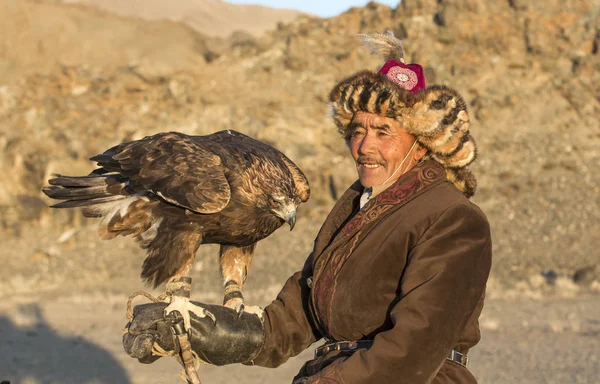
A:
[(463, 180), (437, 116)]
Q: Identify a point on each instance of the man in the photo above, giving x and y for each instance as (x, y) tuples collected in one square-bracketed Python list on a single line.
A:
[(396, 279)]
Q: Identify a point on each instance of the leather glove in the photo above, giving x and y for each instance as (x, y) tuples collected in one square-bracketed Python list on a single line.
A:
[(148, 326), (231, 339)]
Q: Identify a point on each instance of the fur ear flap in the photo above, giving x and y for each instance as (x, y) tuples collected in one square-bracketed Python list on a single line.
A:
[(384, 44)]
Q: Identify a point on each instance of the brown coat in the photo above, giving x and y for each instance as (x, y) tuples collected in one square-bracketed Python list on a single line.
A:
[(407, 271)]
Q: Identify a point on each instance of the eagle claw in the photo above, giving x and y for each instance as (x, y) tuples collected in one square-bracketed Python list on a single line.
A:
[(185, 307), (239, 306)]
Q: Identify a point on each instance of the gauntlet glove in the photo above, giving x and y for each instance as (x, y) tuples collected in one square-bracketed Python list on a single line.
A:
[(231, 339)]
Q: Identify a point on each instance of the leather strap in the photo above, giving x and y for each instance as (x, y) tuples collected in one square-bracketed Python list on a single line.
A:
[(454, 356), (342, 346)]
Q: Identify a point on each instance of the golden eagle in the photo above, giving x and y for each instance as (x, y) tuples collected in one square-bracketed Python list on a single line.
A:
[(173, 192)]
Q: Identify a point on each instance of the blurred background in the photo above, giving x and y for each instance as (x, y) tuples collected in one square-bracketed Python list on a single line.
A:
[(79, 76)]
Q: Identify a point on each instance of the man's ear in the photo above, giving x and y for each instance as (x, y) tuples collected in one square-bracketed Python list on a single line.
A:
[(420, 152)]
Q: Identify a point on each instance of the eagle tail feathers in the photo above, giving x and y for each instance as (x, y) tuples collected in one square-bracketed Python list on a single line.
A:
[(76, 193), (81, 191), (80, 203), (106, 195)]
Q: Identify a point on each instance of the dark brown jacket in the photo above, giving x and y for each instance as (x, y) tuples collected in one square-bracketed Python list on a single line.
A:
[(407, 271)]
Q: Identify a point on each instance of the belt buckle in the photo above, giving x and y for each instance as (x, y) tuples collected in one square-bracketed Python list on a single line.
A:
[(459, 358), (324, 349), (464, 360)]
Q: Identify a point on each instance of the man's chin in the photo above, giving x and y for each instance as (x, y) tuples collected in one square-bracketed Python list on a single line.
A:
[(371, 177), (368, 182)]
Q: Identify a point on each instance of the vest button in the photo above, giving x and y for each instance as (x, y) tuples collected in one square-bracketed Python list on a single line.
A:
[(309, 282)]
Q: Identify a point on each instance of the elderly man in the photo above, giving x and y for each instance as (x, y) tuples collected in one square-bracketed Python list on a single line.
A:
[(396, 280)]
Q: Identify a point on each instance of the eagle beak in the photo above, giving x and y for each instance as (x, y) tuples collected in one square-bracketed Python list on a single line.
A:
[(288, 213), (291, 219)]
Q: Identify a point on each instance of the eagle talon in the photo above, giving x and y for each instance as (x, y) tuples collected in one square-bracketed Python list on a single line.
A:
[(185, 307), (211, 316), (253, 310), (237, 304)]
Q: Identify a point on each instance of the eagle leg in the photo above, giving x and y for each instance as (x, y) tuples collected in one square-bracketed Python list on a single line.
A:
[(178, 288), (235, 262), (233, 297), (235, 300), (184, 306)]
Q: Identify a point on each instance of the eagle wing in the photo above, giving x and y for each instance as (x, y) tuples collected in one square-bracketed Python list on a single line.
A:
[(174, 167), (300, 181), (236, 139)]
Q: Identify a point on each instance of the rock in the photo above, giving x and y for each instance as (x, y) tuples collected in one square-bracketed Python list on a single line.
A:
[(585, 276), (550, 276)]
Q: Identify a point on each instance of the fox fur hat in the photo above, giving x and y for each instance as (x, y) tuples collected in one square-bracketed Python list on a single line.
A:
[(435, 115)]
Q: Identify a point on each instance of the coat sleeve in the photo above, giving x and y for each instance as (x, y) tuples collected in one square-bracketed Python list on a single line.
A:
[(288, 326), (441, 285)]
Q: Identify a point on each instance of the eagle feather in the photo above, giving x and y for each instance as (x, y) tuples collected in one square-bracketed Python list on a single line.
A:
[(384, 44)]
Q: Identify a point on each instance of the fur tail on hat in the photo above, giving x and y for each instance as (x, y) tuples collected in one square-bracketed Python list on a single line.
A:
[(463, 179), (384, 44)]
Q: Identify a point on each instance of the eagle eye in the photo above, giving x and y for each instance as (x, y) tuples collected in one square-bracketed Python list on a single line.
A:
[(275, 200)]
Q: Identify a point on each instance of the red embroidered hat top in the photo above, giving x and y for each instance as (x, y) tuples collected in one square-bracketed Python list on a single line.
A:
[(407, 76)]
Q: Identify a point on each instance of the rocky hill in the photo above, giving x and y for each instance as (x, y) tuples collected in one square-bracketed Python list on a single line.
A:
[(530, 72), (40, 36)]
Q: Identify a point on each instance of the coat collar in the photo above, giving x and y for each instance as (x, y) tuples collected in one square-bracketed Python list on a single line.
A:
[(346, 218), (408, 186)]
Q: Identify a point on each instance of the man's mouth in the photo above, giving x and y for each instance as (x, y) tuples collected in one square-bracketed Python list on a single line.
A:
[(370, 165)]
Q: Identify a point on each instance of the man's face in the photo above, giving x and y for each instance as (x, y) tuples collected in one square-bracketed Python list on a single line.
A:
[(378, 145)]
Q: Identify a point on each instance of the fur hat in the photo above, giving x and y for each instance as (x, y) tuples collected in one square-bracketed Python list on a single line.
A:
[(435, 115)]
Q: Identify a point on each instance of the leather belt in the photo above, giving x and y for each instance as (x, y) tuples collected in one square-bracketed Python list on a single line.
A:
[(352, 346), (342, 346)]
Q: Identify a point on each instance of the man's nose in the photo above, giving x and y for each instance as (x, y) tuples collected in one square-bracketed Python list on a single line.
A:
[(367, 144)]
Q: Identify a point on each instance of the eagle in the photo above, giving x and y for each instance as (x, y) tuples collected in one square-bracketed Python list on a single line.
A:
[(173, 192)]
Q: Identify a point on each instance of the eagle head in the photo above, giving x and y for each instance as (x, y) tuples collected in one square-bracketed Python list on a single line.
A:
[(272, 189), (284, 207)]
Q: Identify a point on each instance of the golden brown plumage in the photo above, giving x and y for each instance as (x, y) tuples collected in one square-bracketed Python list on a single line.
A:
[(174, 192)]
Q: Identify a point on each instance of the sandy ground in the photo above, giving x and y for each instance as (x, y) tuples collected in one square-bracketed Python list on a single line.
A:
[(63, 311), (77, 339)]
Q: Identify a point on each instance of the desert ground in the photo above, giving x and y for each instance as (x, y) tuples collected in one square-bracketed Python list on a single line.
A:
[(64, 310)]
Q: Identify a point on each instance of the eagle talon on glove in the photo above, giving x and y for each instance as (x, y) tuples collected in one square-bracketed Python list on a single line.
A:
[(185, 307)]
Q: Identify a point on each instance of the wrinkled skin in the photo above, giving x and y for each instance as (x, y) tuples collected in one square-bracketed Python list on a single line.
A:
[(378, 146)]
